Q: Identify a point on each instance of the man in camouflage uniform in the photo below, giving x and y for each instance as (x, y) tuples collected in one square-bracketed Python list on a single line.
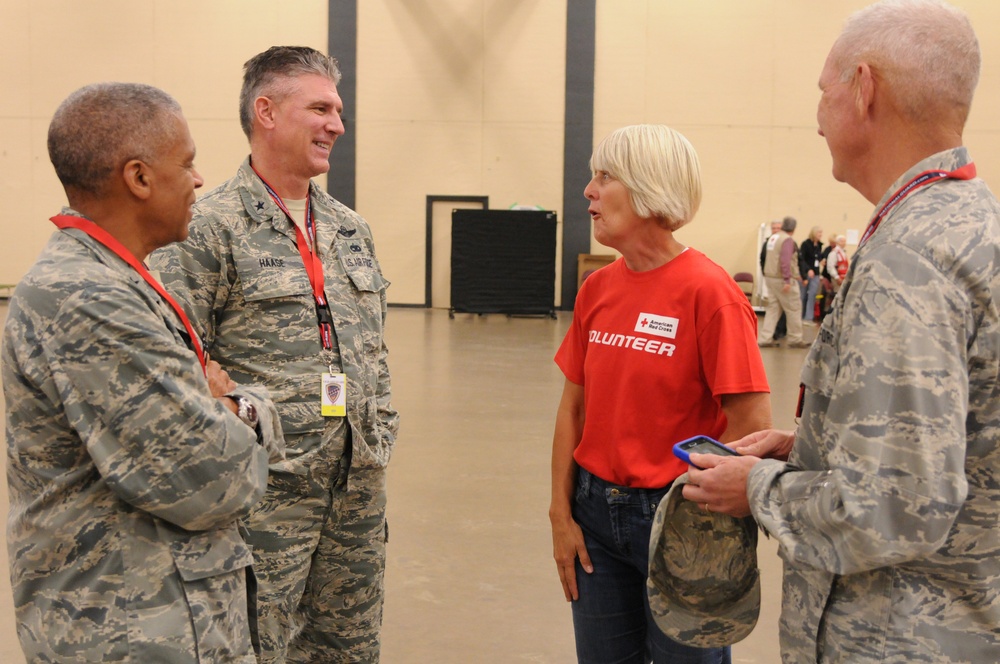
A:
[(127, 465), (886, 508), (284, 283)]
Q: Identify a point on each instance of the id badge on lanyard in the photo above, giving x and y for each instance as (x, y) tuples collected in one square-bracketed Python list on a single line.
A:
[(334, 397), (333, 385)]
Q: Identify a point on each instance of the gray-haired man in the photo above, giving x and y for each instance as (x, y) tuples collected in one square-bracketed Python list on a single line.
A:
[(286, 288), (885, 501)]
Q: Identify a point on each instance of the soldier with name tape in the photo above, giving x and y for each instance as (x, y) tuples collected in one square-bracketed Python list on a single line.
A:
[(286, 288)]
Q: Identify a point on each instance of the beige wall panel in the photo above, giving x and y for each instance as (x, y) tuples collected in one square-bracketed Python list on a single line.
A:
[(710, 67), (706, 70), (459, 97), (222, 147), (803, 187), (398, 167), (522, 164), (421, 61), (734, 194), (523, 62), (15, 59), (984, 146), (802, 36), (44, 198), (620, 76), (25, 229), (193, 50), (76, 43), (201, 63)]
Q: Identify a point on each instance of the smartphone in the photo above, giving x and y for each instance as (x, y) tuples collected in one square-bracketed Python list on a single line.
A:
[(701, 445)]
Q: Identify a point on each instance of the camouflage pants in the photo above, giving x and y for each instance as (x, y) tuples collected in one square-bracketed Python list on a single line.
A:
[(319, 561)]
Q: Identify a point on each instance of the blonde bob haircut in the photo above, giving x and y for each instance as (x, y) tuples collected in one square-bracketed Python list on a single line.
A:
[(658, 167)]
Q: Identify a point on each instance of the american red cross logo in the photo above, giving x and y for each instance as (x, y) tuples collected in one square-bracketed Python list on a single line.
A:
[(645, 322)]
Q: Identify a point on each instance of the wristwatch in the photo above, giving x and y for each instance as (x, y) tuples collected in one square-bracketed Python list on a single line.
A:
[(245, 410)]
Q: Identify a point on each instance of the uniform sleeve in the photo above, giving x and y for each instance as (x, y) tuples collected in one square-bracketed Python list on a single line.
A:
[(884, 419), (144, 412), (388, 417)]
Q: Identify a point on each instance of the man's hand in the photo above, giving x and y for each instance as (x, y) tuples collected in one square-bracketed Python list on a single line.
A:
[(218, 380), (767, 444), (720, 484)]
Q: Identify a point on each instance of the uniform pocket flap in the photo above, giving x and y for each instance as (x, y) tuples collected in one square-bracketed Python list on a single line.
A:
[(202, 555)]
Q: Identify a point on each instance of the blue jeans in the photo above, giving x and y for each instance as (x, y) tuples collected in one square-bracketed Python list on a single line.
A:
[(611, 619), (809, 292)]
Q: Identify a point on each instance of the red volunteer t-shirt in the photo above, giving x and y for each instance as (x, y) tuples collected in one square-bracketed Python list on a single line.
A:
[(655, 351)]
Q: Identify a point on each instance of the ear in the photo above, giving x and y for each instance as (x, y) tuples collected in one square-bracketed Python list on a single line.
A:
[(138, 179), (264, 110), (864, 88)]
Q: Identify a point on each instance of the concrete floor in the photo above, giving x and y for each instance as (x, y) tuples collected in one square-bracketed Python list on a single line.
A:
[(470, 576)]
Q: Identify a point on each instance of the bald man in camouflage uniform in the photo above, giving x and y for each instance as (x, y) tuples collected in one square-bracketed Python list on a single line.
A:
[(319, 535), (128, 467), (886, 510)]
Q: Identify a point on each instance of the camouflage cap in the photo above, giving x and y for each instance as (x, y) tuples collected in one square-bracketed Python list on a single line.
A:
[(703, 584)]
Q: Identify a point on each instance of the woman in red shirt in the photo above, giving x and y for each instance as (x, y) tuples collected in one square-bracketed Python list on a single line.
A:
[(662, 347)]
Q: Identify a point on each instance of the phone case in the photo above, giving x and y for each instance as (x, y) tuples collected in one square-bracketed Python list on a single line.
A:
[(681, 448)]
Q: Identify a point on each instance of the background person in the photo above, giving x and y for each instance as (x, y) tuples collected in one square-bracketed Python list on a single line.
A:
[(285, 286), (781, 329), (837, 262), (661, 348), (810, 256), (886, 509), (781, 275), (126, 465)]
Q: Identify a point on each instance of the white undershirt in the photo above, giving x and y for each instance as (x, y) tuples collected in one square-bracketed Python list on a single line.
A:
[(298, 210)]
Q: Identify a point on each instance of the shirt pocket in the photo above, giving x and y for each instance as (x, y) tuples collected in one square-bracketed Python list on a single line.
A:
[(358, 260), (270, 271)]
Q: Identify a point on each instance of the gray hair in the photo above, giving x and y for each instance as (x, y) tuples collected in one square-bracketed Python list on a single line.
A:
[(788, 224), (926, 50), (658, 167), (101, 127), (266, 75)]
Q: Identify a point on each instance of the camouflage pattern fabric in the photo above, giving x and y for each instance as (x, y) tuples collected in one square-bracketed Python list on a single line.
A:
[(703, 584), (320, 560), (886, 512), (243, 278), (126, 477)]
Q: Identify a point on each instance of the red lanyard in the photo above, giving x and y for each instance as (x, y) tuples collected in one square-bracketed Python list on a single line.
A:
[(312, 263), (966, 172), (100, 235)]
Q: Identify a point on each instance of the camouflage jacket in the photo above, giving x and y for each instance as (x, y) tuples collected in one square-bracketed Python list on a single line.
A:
[(126, 477), (886, 512), (242, 276)]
